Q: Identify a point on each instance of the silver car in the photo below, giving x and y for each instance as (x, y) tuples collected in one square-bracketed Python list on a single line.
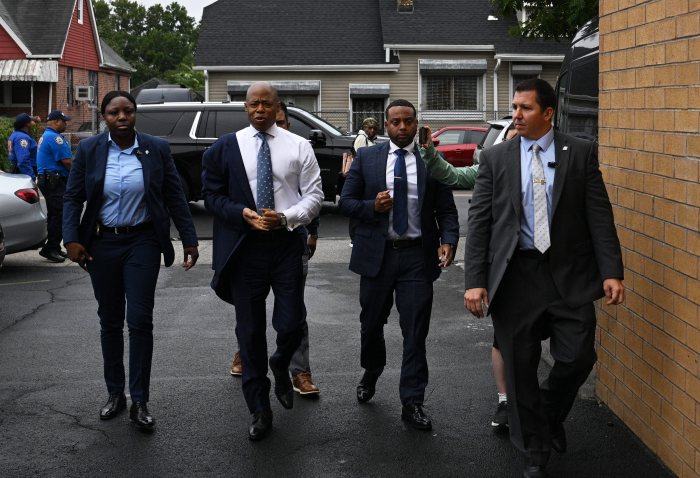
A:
[(22, 218), (2, 246)]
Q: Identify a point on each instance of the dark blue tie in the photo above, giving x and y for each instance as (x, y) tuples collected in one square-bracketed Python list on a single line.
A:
[(265, 187), (400, 219)]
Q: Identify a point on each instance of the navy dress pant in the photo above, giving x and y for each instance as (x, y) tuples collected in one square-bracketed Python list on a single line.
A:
[(264, 262), (124, 272), (402, 273)]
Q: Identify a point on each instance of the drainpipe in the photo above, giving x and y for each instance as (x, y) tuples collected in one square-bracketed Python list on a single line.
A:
[(206, 85), (50, 98), (495, 88)]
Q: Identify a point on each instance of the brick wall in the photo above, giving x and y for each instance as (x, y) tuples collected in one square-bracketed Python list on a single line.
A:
[(650, 155)]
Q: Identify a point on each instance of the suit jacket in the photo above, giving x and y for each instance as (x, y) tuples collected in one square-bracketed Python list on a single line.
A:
[(367, 177), (584, 246), (163, 193)]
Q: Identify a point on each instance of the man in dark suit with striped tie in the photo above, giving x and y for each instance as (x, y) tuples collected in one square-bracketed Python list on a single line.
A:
[(407, 231)]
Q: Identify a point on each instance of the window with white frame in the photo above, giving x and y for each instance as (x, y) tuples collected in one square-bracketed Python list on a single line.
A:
[(80, 11), (451, 92)]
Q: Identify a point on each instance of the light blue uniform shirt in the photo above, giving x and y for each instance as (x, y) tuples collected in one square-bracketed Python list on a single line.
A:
[(527, 220), (123, 194)]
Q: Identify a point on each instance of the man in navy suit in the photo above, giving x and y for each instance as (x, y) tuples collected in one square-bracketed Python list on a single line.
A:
[(262, 183), (407, 231)]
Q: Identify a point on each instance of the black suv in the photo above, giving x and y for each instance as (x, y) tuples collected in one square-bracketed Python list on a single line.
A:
[(191, 128)]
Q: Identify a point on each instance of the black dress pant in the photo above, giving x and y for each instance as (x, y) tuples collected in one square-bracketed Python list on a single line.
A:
[(53, 187), (526, 309), (402, 273), (124, 272), (264, 262)]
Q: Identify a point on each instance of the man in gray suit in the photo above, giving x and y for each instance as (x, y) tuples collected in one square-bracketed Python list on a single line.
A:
[(541, 247)]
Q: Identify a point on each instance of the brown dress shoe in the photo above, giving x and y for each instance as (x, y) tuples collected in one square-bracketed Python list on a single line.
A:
[(303, 385), (236, 365)]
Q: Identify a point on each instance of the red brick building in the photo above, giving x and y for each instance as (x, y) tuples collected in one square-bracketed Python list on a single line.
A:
[(51, 57)]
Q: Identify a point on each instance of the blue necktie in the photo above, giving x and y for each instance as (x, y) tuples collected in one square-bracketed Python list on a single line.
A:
[(265, 187), (400, 220)]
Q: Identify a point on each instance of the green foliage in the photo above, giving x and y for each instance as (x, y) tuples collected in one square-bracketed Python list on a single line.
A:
[(549, 19), (157, 42)]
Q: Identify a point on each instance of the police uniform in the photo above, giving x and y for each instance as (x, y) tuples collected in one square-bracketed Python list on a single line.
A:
[(52, 178), (22, 153)]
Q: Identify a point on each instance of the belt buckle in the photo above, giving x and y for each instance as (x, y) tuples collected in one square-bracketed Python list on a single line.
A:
[(396, 244)]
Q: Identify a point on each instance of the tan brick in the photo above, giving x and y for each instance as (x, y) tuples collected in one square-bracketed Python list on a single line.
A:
[(692, 386), (688, 216), (626, 39), (693, 291), (643, 328), (653, 227), (686, 358), (663, 342), (676, 98), (693, 48), (617, 100), (626, 79), (626, 118), (663, 253), (636, 16), (694, 5), (604, 63), (694, 146), (663, 120), (694, 194), (687, 169), (687, 74), (665, 75), (676, 7), (666, 210), (685, 451), (651, 397), (661, 384), (684, 403), (644, 161), (618, 21), (655, 11), (675, 236), (684, 262), (688, 25), (677, 51), (663, 298), (687, 121), (668, 456), (618, 60), (675, 144), (617, 138), (675, 189), (625, 198), (644, 77), (671, 414), (634, 100), (654, 142), (635, 57), (654, 55), (644, 203), (688, 312), (654, 271), (634, 180), (654, 314), (674, 373), (675, 281), (693, 242), (609, 81), (653, 98), (665, 30)]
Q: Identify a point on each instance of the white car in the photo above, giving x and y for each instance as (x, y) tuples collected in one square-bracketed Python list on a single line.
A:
[(22, 218), (494, 135)]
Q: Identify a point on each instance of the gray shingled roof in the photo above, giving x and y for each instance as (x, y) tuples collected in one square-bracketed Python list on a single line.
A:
[(41, 25), (290, 32), (113, 60), (335, 32)]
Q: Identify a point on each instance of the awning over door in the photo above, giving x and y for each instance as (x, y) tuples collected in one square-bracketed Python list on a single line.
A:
[(29, 70)]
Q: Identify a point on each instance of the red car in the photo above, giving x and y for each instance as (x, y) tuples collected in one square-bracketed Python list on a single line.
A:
[(457, 143)]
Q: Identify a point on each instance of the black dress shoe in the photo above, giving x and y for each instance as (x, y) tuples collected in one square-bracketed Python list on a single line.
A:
[(558, 437), (535, 471), (141, 417), (63, 253), (367, 385), (284, 391), (53, 256), (415, 416), (116, 403), (261, 426)]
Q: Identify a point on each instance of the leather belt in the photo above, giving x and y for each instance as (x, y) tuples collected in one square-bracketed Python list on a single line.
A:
[(532, 253), (101, 228), (404, 243)]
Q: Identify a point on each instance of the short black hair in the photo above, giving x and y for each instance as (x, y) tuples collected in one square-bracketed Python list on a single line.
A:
[(116, 94), (399, 102), (546, 97), (283, 107)]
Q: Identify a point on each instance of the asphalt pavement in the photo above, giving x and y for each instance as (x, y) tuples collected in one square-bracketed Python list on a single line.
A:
[(51, 388)]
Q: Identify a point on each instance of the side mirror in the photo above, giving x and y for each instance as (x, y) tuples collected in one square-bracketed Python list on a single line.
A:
[(317, 138), (436, 141)]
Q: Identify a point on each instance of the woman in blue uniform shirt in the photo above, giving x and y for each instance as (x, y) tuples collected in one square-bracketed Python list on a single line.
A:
[(131, 190), (22, 147)]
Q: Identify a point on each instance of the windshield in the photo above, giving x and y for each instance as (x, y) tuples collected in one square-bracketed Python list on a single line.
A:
[(317, 119)]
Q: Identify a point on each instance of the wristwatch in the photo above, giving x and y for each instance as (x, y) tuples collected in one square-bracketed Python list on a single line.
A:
[(283, 220)]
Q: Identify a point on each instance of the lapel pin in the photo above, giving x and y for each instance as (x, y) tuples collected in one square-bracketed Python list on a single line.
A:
[(565, 148), (148, 151)]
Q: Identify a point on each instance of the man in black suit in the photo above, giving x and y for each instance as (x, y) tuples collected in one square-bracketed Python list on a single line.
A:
[(407, 230), (541, 247), (261, 184)]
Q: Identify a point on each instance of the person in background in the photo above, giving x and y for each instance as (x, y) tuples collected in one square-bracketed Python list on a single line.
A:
[(22, 147), (465, 177), (299, 367), (123, 191), (367, 136), (54, 160)]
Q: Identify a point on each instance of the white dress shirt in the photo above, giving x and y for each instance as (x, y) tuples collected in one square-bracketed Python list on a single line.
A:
[(295, 173), (413, 230)]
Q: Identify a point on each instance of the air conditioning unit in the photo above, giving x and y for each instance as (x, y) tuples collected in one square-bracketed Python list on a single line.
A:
[(84, 93)]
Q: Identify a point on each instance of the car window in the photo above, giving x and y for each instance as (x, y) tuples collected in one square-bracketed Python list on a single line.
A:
[(228, 121), (160, 123), (299, 126), (450, 137), (491, 135), (471, 136)]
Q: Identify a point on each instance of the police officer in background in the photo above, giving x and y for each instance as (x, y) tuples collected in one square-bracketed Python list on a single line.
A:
[(21, 147), (53, 163)]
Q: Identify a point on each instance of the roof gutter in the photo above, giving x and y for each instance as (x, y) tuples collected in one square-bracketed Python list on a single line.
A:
[(528, 57), (218, 69), (432, 47), (206, 85)]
